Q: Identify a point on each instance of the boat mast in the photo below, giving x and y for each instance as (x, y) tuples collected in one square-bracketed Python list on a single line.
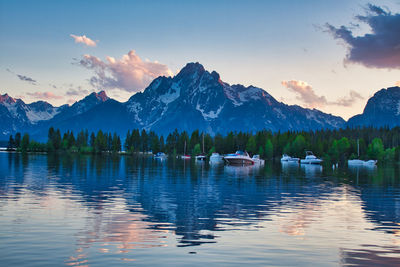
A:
[(358, 148), (203, 142), (184, 149)]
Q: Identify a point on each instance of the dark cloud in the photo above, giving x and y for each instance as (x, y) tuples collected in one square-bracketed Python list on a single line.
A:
[(77, 91), (378, 49), (26, 79), (23, 77)]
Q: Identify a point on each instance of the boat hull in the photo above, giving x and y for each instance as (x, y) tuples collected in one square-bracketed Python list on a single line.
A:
[(239, 161)]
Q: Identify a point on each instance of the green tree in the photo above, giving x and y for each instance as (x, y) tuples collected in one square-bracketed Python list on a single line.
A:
[(376, 149), (25, 143), (299, 145), (251, 145), (17, 140), (261, 152), (196, 150), (269, 149)]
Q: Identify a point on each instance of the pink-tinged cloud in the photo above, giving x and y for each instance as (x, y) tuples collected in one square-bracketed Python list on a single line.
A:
[(44, 95), (307, 95), (348, 100), (83, 40), (398, 83), (130, 73)]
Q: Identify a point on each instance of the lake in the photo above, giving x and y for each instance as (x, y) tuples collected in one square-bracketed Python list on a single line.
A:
[(122, 210)]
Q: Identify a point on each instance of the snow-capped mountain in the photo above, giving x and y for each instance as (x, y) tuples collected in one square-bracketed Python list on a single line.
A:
[(198, 99), (193, 99), (383, 109), (16, 115)]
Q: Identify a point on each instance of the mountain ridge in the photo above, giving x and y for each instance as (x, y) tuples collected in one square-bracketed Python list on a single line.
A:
[(193, 99)]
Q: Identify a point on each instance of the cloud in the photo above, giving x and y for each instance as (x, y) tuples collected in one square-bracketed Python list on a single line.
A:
[(76, 91), (130, 73), (307, 95), (23, 77), (44, 95), (398, 83), (349, 100), (84, 40), (378, 49), (26, 79)]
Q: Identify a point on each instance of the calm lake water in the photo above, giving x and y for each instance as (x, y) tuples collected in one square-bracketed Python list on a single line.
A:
[(111, 211)]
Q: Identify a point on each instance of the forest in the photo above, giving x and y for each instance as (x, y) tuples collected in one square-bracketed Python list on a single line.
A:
[(334, 146)]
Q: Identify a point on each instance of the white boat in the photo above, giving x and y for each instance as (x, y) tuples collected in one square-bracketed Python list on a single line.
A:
[(239, 158), (287, 158), (201, 157), (310, 159), (160, 155), (355, 162), (216, 158), (370, 162), (257, 160), (359, 162)]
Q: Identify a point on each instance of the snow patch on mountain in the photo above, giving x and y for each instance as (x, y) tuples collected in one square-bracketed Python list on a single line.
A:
[(36, 116), (279, 113), (211, 114), (232, 95), (172, 94), (251, 93), (12, 108), (135, 108), (398, 108)]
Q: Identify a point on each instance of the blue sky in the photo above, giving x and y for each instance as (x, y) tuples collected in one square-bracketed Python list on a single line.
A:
[(280, 46)]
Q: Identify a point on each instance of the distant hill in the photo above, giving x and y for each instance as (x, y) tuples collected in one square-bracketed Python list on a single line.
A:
[(383, 109)]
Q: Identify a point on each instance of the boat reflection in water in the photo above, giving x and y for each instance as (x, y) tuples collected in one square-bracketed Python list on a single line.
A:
[(311, 170), (247, 170)]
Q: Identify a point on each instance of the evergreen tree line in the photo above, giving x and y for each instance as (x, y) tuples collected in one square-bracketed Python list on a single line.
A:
[(83, 142), (335, 146)]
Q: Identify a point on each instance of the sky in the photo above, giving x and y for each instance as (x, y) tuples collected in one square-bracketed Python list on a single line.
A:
[(329, 55)]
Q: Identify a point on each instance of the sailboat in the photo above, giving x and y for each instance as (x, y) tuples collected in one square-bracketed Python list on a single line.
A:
[(184, 156), (359, 162), (201, 156)]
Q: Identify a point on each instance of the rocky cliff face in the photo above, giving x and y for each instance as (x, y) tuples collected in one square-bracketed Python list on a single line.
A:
[(383, 109)]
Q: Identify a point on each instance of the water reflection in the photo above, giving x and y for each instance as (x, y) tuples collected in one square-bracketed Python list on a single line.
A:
[(116, 205)]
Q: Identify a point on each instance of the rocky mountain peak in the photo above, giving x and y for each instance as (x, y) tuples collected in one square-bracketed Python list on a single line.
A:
[(7, 99)]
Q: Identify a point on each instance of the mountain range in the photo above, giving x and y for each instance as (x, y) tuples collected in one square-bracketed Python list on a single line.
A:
[(193, 99)]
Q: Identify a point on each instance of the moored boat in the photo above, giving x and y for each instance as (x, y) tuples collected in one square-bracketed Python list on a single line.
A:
[(201, 157), (257, 160), (359, 162), (216, 158), (160, 155), (239, 158), (287, 158), (310, 159)]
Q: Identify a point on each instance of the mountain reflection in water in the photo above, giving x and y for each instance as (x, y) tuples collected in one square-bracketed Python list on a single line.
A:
[(105, 210)]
